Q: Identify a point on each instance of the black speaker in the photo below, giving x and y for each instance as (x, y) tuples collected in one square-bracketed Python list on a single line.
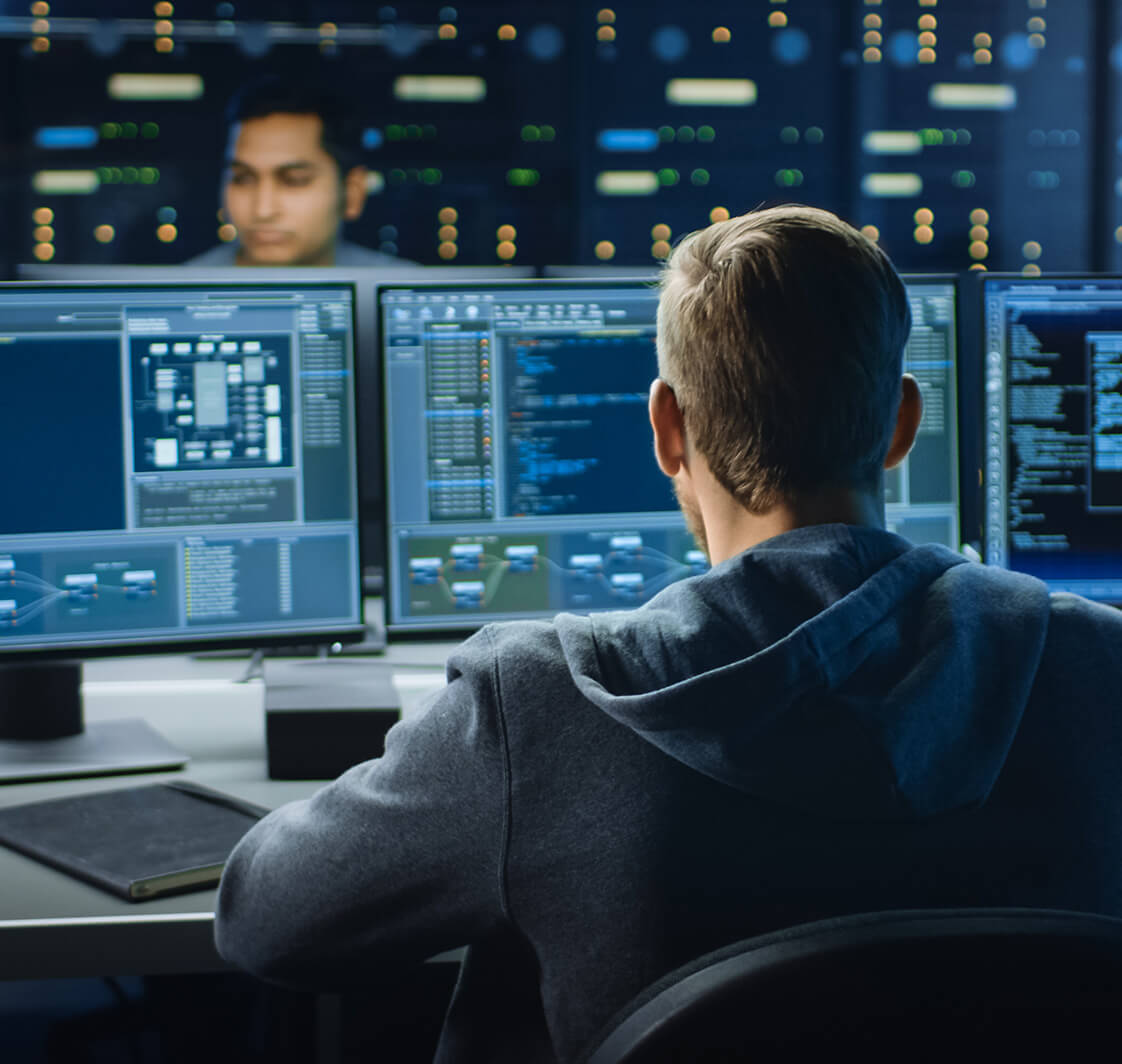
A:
[(317, 730)]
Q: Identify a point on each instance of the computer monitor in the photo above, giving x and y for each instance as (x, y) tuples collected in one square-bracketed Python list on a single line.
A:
[(181, 474), (1053, 430), (366, 280), (520, 478)]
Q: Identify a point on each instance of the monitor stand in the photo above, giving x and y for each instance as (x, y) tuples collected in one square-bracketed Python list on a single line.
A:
[(43, 735)]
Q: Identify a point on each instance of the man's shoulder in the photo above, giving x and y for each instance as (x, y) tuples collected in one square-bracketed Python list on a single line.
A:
[(222, 255), (348, 254), (516, 645)]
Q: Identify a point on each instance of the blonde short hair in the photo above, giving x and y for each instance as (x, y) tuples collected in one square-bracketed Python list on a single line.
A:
[(782, 333)]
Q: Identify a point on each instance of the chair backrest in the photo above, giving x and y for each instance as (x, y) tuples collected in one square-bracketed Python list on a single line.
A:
[(943, 985)]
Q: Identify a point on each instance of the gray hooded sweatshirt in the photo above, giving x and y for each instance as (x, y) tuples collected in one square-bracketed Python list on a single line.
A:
[(833, 721)]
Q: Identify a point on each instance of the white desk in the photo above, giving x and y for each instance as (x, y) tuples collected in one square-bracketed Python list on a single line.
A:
[(55, 926)]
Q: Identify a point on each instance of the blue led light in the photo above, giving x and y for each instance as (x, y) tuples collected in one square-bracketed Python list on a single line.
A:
[(372, 138), (66, 137), (627, 139), (791, 46)]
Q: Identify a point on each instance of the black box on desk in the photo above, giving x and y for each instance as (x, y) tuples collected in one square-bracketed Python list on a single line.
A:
[(317, 730)]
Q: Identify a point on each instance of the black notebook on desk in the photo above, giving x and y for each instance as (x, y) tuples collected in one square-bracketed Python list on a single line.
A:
[(137, 842)]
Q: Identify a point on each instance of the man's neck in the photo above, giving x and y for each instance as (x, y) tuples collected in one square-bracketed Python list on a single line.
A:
[(731, 529)]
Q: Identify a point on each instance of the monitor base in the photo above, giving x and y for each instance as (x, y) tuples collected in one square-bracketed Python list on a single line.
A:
[(104, 748)]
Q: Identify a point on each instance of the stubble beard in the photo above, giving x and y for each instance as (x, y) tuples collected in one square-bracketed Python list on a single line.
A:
[(692, 513)]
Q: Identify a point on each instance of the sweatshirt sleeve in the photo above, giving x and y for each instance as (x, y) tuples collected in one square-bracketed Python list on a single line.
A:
[(400, 858)]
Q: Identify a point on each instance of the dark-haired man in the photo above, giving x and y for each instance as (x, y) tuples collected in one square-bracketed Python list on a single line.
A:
[(830, 720), (292, 177)]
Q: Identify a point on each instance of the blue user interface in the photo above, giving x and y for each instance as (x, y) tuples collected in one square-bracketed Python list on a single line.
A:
[(1053, 430), (182, 465)]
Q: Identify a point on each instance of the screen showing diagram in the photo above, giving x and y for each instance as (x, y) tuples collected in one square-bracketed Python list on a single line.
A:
[(195, 479)]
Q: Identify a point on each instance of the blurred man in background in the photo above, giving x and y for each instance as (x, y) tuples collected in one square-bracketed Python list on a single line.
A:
[(292, 176)]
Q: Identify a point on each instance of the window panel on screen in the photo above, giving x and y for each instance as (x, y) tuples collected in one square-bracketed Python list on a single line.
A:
[(520, 476)]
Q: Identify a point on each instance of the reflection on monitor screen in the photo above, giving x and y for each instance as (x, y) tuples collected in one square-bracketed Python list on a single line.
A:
[(520, 477), (186, 468), (1053, 424)]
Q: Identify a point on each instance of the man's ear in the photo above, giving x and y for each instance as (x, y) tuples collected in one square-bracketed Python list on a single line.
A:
[(354, 192), (669, 429), (908, 416)]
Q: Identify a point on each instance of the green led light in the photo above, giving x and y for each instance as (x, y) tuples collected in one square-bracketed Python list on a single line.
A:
[(788, 178), (397, 177), (129, 130), (814, 135), (686, 134), (666, 176), (522, 177), (548, 133), (931, 136), (531, 134), (131, 175), (949, 136), (110, 130), (706, 134), (428, 131), (150, 130), (394, 132), (104, 175), (963, 179), (699, 177), (431, 176), (964, 136), (412, 132), (149, 175), (789, 135), (666, 134)]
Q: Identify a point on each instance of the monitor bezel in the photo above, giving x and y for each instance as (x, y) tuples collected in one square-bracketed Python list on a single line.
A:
[(193, 643)]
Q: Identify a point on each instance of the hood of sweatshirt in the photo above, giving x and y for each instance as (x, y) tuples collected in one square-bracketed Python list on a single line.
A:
[(837, 669)]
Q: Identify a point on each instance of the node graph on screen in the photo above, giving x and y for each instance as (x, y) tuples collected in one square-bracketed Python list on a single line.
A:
[(187, 479), (520, 475)]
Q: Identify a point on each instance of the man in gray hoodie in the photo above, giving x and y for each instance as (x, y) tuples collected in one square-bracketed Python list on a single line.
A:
[(830, 720)]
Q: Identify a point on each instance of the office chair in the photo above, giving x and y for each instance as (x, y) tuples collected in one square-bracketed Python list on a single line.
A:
[(945, 985)]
